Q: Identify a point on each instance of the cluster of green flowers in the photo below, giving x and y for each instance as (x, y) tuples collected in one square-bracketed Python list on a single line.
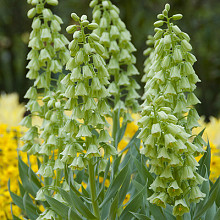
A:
[(168, 118), (86, 97), (118, 53)]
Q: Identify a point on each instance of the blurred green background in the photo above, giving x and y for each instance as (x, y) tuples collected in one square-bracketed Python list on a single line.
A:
[(201, 21)]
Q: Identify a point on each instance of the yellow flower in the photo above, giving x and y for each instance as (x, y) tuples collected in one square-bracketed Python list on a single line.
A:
[(107, 182), (9, 167), (84, 186), (11, 112), (122, 144), (212, 130), (127, 198)]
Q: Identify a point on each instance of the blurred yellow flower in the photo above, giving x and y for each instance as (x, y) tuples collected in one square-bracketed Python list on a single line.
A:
[(127, 198), (212, 130), (11, 112), (107, 181)]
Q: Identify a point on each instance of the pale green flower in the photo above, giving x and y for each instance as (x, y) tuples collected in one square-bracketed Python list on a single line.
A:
[(180, 208)]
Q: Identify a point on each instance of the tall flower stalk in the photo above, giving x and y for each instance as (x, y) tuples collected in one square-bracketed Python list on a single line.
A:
[(86, 92), (47, 57), (168, 117), (116, 40)]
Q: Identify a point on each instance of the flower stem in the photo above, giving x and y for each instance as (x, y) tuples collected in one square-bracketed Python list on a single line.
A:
[(93, 189)]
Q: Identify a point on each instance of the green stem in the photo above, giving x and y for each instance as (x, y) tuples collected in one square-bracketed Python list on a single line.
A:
[(114, 126), (179, 217), (46, 179), (92, 185)]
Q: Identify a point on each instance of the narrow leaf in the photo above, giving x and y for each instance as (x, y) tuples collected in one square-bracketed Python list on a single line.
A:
[(140, 216)]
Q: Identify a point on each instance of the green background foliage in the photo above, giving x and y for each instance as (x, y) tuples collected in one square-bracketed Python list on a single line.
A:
[(201, 20)]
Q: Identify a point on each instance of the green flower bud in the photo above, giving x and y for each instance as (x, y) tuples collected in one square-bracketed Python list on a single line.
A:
[(165, 12), (31, 13), (99, 48), (177, 17), (158, 34), (176, 29), (92, 26), (114, 14), (160, 16), (95, 37), (85, 23), (191, 58), (35, 2), (186, 45), (93, 3), (97, 15), (71, 29), (105, 4), (167, 7), (167, 39), (52, 2), (185, 36), (103, 23), (74, 17)]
